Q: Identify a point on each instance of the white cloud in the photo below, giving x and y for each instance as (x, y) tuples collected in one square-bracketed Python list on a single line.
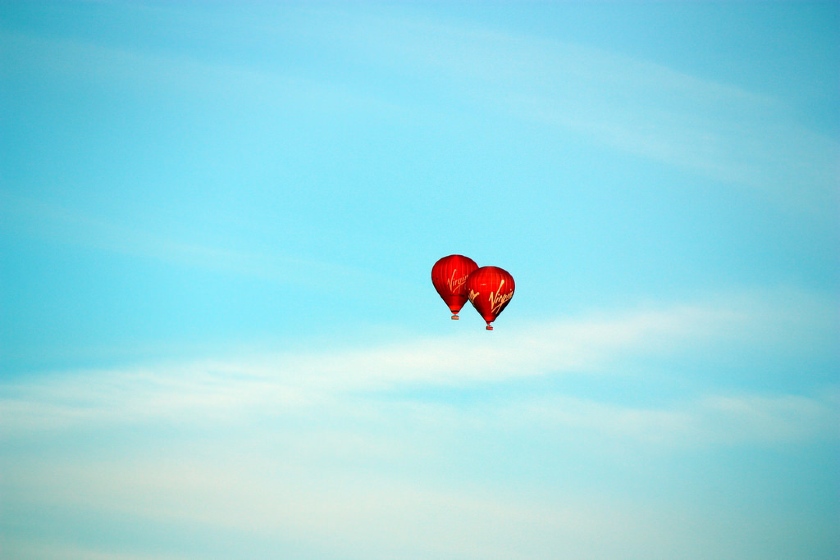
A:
[(61, 224), (630, 104), (339, 517), (711, 420), (344, 512), (26, 550), (313, 448), (784, 418), (598, 347)]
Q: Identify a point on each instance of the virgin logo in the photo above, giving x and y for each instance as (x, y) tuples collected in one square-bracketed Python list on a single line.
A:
[(456, 284), (498, 300)]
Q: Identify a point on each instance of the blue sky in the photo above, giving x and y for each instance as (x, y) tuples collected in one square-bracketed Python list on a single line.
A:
[(218, 334)]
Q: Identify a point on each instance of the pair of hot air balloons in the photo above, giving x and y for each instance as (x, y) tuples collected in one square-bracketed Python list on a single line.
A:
[(489, 288)]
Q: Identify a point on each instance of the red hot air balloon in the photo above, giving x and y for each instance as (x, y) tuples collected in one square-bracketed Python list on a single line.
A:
[(490, 289), (449, 276)]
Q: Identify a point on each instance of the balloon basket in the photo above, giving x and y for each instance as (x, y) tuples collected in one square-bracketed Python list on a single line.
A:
[(489, 328), (455, 317)]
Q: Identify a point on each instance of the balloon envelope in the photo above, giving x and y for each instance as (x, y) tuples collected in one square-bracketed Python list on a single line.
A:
[(449, 276), (490, 289)]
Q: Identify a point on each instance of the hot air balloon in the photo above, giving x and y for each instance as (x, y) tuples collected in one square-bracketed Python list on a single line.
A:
[(490, 289), (449, 276)]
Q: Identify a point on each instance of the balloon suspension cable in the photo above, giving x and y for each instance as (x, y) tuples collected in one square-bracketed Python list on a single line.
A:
[(455, 317)]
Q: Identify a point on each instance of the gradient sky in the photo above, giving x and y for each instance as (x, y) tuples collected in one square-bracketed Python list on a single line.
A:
[(218, 334)]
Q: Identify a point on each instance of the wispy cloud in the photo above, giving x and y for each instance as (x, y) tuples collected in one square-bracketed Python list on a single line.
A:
[(362, 518), (634, 105), (350, 490), (27, 550), (314, 448), (711, 420), (61, 224), (603, 347), (178, 74)]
